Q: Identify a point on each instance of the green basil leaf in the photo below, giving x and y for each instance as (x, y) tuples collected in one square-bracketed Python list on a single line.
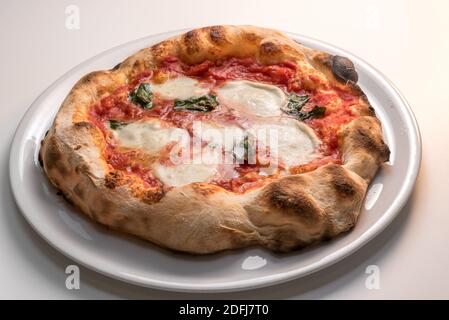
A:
[(316, 112), (143, 96), (245, 151), (241, 150), (295, 105), (204, 103), (115, 124)]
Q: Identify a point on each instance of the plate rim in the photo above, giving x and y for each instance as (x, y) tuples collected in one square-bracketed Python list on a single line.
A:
[(247, 284)]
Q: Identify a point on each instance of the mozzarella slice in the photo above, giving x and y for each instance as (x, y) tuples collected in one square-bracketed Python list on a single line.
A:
[(225, 137), (179, 88), (188, 172), (206, 159), (291, 141), (254, 98), (149, 135), (183, 174)]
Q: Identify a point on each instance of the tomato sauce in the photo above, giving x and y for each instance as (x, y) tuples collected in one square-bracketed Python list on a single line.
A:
[(117, 106)]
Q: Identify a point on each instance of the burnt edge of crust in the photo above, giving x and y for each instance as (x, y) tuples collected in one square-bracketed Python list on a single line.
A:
[(113, 179), (343, 185), (327, 61), (287, 195), (52, 156), (191, 41), (363, 139), (117, 66), (217, 35), (343, 69), (270, 48)]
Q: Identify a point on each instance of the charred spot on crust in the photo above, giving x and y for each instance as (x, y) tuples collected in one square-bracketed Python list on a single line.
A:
[(251, 37), (343, 184), (269, 48), (153, 196), (283, 196), (112, 180), (90, 77), (343, 69), (138, 66), (191, 41), (53, 159), (189, 35), (363, 138), (39, 158), (217, 34), (52, 156), (116, 66), (158, 49)]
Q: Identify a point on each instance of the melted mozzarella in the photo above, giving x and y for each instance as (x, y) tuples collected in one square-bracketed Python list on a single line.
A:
[(179, 88), (202, 169), (294, 143), (254, 98), (149, 135), (291, 141), (206, 160), (184, 173), (226, 137)]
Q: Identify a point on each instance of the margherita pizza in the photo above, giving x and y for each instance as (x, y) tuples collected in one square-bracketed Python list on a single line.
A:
[(220, 138)]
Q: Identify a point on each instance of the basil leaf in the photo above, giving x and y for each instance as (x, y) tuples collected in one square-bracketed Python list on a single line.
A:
[(143, 96), (245, 143), (295, 105), (204, 103), (316, 112), (245, 151), (241, 150), (115, 124)]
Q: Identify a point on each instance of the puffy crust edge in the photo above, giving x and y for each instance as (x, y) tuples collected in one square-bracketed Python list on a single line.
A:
[(200, 218)]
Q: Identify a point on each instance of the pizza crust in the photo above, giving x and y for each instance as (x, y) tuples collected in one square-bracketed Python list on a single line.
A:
[(285, 214)]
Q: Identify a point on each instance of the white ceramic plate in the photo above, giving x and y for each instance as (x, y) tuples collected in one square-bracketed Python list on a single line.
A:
[(142, 263)]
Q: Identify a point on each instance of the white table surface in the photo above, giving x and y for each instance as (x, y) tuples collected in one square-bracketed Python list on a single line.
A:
[(406, 40)]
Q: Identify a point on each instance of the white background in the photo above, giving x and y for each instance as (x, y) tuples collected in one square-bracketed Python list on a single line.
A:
[(406, 40)]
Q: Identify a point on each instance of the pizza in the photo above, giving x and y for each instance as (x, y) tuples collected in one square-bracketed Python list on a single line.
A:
[(220, 138)]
